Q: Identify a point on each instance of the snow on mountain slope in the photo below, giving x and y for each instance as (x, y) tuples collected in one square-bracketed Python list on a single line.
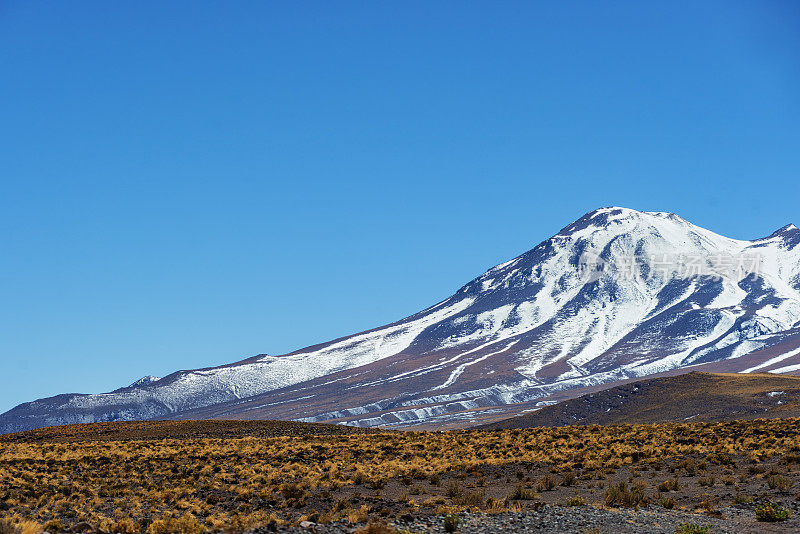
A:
[(144, 381), (614, 295)]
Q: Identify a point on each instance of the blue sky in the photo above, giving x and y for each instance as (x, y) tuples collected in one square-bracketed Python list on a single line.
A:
[(186, 184)]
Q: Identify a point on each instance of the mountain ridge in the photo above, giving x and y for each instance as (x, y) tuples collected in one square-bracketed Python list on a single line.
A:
[(604, 299)]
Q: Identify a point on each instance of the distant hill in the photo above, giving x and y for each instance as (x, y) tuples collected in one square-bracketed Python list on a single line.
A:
[(688, 397), (158, 430)]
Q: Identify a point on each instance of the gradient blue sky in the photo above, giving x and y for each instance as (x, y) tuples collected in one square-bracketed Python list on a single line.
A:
[(186, 184)]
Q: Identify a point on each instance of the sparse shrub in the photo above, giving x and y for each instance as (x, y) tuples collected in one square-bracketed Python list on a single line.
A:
[(692, 528), (779, 483), (124, 526), (469, 499), (546, 483), (451, 522), (718, 458), (620, 495), (771, 512), (340, 505), (742, 499), (54, 525), (671, 484), (418, 473), (292, 491), (667, 502), (435, 479), (689, 466), (360, 515), (521, 493), (376, 528), (19, 527), (494, 506), (568, 478), (454, 490), (791, 458), (576, 501), (709, 506), (706, 481), (187, 524)]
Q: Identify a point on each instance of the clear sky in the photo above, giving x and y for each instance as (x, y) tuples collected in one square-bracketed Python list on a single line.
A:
[(186, 184)]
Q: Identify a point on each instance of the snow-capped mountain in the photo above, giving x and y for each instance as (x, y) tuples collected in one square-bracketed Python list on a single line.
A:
[(618, 294)]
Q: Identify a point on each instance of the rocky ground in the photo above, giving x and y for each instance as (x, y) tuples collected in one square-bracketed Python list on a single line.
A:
[(739, 519)]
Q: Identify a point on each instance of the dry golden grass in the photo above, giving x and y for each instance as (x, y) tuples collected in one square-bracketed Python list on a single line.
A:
[(193, 485), (15, 525)]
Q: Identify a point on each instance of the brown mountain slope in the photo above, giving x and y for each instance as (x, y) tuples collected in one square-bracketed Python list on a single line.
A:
[(688, 397)]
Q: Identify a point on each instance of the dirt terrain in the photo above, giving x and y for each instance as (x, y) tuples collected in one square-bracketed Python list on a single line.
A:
[(652, 478), (183, 430)]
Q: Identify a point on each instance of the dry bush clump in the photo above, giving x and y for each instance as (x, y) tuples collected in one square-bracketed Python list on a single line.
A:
[(379, 527), (16, 525), (770, 512), (521, 493), (621, 495), (671, 484), (546, 483), (7, 528), (667, 502), (576, 501), (186, 524), (779, 482)]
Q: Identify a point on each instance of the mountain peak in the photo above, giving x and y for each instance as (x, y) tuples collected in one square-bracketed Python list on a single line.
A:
[(789, 236), (784, 230), (604, 217)]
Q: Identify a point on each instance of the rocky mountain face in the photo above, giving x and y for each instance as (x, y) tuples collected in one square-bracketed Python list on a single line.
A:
[(616, 295)]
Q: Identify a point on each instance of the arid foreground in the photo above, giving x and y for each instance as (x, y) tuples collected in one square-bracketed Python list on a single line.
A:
[(731, 477)]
